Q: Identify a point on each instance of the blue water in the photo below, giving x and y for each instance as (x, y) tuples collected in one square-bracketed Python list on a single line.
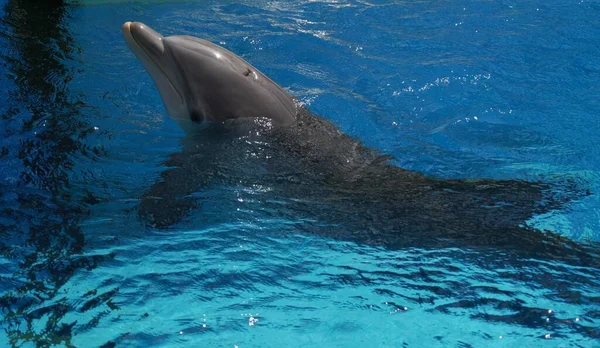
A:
[(454, 89)]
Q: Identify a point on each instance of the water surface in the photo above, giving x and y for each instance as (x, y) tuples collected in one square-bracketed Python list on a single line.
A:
[(454, 89)]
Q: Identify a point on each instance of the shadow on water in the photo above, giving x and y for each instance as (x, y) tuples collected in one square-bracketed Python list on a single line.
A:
[(42, 131)]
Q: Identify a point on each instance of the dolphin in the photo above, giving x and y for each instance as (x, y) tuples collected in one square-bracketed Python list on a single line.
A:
[(294, 164), (201, 81)]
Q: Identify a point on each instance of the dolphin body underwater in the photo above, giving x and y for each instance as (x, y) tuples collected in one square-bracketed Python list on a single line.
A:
[(245, 131)]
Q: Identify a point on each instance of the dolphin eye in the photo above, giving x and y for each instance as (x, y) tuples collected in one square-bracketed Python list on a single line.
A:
[(247, 72), (195, 116)]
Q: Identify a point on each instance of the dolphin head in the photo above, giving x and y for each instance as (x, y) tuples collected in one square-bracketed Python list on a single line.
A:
[(201, 81)]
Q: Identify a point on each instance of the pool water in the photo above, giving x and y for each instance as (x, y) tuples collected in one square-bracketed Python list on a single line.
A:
[(453, 89)]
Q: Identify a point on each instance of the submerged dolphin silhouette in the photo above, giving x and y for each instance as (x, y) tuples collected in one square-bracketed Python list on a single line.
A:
[(295, 164)]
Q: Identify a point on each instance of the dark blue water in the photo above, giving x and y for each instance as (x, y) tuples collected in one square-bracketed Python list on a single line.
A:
[(454, 89)]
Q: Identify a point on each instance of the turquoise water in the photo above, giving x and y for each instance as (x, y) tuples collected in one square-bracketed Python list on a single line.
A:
[(455, 89)]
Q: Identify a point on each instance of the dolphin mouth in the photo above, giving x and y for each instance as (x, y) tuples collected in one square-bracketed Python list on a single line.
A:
[(143, 40)]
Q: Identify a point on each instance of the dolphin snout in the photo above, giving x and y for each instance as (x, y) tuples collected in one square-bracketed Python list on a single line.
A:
[(148, 39), (126, 27)]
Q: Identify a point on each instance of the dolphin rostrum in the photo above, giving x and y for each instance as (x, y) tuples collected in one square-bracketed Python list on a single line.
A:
[(301, 165)]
